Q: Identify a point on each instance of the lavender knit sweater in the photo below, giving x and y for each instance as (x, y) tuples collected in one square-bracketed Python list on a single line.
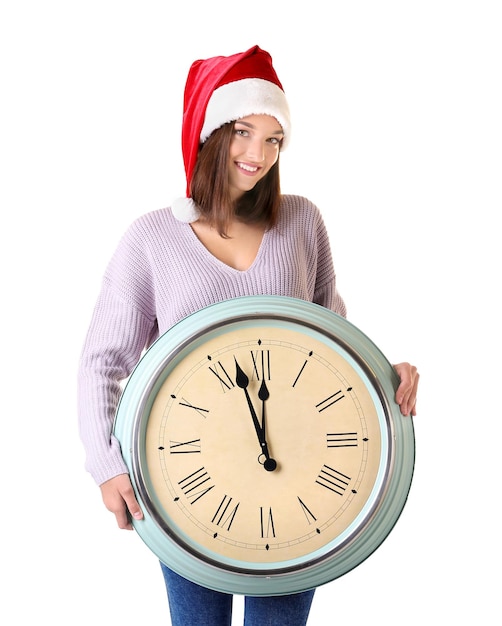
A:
[(159, 274)]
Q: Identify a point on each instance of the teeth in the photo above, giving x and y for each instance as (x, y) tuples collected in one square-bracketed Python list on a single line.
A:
[(248, 168)]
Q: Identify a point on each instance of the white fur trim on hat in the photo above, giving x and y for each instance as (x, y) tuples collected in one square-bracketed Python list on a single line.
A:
[(249, 96), (185, 210)]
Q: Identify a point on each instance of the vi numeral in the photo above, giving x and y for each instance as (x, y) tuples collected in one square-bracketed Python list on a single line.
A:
[(267, 526)]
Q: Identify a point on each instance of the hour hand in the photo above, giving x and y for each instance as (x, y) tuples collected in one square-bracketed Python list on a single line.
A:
[(242, 381)]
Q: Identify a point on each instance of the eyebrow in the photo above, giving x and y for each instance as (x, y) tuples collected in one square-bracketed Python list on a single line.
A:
[(275, 132)]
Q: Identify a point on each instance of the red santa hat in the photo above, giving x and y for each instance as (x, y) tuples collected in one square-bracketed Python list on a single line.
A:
[(221, 90)]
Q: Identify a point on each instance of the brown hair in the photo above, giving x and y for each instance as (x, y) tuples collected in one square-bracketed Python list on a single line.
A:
[(210, 191)]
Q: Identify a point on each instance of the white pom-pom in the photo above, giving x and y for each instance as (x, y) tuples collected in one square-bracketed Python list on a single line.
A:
[(185, 210)]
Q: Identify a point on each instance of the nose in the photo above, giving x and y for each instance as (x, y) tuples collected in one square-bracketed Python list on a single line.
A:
[(256, 150)]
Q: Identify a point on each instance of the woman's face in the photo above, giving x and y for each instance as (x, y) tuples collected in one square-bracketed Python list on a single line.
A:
[(254, 149)]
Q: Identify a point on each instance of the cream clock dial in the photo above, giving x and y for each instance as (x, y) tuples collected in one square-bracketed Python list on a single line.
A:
[(263, 445)]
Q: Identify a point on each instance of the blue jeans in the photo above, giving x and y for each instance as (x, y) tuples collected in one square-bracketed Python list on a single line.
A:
[(193, 605)]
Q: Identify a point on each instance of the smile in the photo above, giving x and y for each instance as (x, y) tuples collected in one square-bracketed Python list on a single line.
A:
[(247, 168)]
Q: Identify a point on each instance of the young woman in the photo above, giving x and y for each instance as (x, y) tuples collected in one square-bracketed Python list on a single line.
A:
[(233, 235)]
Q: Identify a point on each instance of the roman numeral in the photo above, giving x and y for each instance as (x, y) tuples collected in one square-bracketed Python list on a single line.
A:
[(333, 480), (185, 447), (195, 485), (261, 364), (329, 401), (225, 514), (267, 527), (198, 409), (301, 370), (341, 440), (310, 517), (222, 375)]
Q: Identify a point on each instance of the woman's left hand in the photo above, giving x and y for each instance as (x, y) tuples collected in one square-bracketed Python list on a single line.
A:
[(406, 394)]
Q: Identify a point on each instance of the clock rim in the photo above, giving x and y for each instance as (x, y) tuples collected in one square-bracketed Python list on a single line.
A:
[(400, 468)]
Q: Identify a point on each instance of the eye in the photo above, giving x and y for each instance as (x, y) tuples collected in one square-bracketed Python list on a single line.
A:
[(275, 140), (241, 132)]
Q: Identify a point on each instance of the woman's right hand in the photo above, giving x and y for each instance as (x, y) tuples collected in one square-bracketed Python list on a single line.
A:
[(118, 496)]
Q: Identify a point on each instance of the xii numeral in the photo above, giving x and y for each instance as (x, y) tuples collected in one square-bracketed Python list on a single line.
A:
[(261, 364)]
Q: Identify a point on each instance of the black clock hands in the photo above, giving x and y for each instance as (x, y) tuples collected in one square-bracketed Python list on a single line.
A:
[(264, 395), (242, 381)]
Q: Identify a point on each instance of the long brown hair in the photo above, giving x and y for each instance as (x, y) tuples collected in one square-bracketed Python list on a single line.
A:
[(209, 187)]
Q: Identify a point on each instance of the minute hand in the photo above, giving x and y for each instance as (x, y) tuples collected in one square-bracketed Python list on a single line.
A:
[(242, 381)]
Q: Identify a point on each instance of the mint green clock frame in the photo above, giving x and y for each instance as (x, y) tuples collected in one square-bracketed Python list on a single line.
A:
[(172, 545)]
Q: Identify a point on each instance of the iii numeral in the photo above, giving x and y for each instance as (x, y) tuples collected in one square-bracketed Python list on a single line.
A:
[(341, 440)]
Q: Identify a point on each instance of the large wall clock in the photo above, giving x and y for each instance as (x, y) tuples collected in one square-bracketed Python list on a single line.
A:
[(265, 446)]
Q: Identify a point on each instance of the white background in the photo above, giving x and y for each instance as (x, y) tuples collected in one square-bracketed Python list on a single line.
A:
[(397, 137)]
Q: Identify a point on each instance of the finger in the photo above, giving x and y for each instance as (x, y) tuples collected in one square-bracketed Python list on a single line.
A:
[(414, 395), (406, 394), (123, 520), (132, 504)]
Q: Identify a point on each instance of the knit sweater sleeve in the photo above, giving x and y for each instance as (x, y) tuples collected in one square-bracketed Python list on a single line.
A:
[(122, 325), (325, 292)]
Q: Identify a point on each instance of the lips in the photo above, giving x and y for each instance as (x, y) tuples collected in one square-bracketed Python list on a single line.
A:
[(252, 169)]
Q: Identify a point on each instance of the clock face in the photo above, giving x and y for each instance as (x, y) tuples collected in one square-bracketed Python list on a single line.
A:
[(261, 448)]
